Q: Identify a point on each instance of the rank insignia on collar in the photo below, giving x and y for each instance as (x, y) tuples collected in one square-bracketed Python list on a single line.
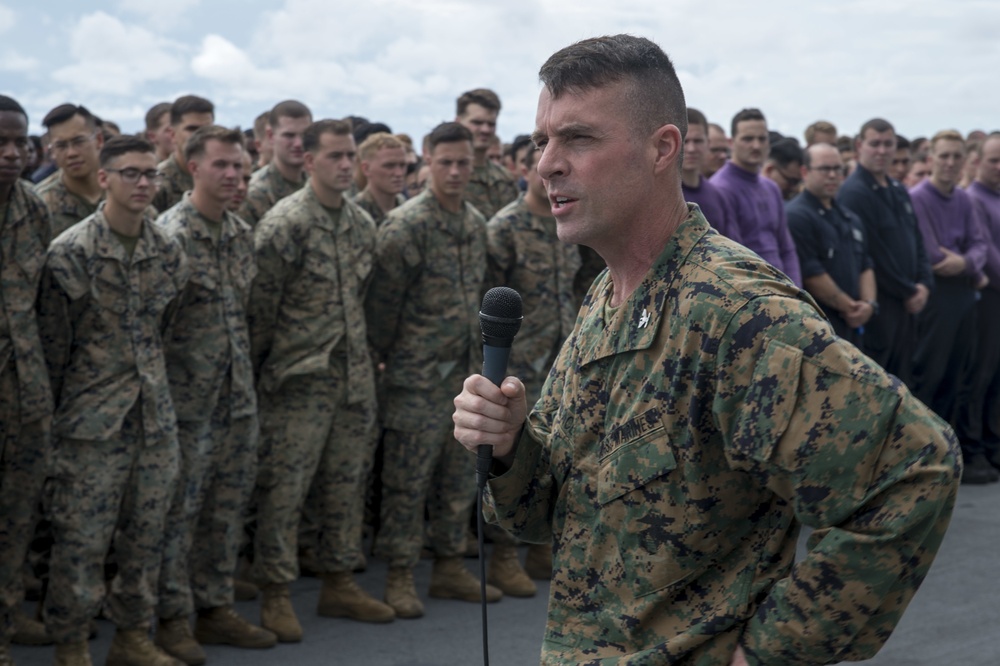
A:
[(644, 319)]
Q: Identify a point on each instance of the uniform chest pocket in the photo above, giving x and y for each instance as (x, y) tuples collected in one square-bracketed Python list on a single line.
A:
[(321, 266), (643, 507), (110, 296)]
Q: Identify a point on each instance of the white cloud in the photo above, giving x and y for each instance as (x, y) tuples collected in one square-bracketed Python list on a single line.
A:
[(7, 19), (15, 62), (159, 14), (112, 57)]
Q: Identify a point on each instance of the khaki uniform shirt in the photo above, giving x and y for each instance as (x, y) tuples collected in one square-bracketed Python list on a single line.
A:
[(174, 182), (680, 441), (367, 203), (102, 315), (491, 188), (423, 305), (207, 340), (526, 255), (267, 187), (24, 234), (307, 303)]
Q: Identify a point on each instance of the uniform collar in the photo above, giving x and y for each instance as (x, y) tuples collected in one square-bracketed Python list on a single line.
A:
[(635, 324), (107, 246)]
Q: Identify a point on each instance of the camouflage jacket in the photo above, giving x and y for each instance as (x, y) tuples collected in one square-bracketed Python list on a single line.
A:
[(174, 182), (307, 302), (207, 338), (526, 255), (367, 202), (491, 188), (423, 305), (65, 207), (24, 235), (680, 441), (267, 187), (102, 316)]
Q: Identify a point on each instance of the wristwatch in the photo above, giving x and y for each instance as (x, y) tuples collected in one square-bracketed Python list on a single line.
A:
[(874, 305)]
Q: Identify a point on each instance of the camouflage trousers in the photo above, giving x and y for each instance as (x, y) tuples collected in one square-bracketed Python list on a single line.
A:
[(205, 525), (24, 456), (120, 488), (309, 432), (425, 467)]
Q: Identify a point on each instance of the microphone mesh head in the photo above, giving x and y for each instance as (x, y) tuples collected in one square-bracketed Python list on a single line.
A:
[(500, 316)]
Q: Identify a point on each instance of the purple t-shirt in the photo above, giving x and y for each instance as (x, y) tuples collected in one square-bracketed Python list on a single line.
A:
[(986, 203), (713, 205), (949, 221), (759, 213)]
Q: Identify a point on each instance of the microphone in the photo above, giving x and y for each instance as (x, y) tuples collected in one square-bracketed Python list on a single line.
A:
[(499, 320)]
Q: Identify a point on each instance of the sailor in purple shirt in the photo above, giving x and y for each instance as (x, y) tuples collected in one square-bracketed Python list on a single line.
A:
[(696, 188), (756, 202), (956, 247), (979, 399)]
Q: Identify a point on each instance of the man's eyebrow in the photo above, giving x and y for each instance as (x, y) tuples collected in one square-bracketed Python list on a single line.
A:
[(563, 132)]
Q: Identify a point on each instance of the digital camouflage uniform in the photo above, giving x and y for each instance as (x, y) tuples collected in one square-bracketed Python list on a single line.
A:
[(174, 182), (267, 187), (680, 441), (365, 199), (316, 381), (65, 208), (207, 350), (115, 433), (422, 311), (526, 255), (491, 188), (25, 398)]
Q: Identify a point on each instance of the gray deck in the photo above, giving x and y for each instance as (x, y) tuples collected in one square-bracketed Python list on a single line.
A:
[(954, 619)]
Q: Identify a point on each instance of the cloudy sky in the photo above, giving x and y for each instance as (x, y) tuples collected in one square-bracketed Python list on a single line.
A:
[(923, 65)]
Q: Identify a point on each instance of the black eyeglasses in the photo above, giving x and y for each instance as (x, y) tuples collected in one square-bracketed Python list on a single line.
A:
[(131, 175), (829, 169)]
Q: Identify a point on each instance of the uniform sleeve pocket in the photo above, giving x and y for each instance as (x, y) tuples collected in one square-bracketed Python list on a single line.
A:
[(817, 426)]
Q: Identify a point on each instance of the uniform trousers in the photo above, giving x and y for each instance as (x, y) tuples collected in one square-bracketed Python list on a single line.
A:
[(24, 457), (310, 431), (121, 488), (425, 466), (977, 414), (205, 524)]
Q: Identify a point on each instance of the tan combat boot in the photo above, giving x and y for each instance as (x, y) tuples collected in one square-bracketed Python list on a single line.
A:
[(72, 654), (29, 631), (132, 647), (341, 596), (505, 572), (538, 563), (277, 614), (174, 636), (401, 593), (451, 580), (224, 626)]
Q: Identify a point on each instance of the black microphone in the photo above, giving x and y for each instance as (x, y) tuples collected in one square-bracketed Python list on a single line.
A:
[(499, 320)]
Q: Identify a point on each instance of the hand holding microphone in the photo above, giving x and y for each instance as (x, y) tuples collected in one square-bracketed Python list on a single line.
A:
[(486, 414)]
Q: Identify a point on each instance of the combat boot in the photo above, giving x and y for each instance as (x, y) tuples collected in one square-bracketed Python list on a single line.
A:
[(72, 654), (29, 631), (341, 596), (401, 593), (451, 580), (5, 658), (538, 563), (224, 626), (174, 636), (505, 572), (277, 614), (132, 647)]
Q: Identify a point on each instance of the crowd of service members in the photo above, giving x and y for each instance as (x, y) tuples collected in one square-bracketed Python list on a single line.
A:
[(211, 337)]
